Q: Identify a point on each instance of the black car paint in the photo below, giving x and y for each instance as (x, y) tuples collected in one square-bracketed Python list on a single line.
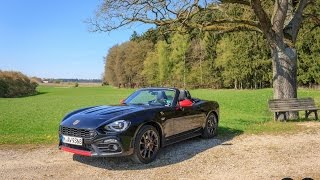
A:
[(174, 123)]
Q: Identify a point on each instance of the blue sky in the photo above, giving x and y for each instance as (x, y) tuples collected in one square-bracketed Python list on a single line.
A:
[(49, 39)]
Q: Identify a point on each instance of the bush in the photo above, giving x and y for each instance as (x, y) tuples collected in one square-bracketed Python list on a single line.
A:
[(16, 84)]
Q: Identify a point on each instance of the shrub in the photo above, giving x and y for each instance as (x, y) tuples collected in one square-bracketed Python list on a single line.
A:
[(16, 84), (76, 84)]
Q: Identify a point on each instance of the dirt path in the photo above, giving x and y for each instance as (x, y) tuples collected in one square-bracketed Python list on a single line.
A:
[(244, 157)]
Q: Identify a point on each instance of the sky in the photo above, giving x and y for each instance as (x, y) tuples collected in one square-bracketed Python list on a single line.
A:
[(49, 39)]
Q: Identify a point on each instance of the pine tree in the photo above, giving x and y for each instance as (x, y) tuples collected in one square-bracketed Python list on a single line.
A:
[(165, 65)]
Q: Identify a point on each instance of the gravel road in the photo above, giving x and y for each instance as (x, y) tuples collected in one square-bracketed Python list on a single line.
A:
[(242, 157)]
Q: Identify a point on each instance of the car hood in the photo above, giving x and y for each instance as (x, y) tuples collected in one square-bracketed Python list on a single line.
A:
[(93, 117)]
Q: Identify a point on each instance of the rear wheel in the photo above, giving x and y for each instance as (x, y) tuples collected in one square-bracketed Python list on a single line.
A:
[(211, 127), (146, 145)]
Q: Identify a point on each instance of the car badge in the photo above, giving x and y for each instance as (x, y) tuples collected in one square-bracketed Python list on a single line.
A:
[(76, 122)]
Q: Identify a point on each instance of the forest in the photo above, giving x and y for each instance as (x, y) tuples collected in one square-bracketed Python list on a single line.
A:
[(205, 59)]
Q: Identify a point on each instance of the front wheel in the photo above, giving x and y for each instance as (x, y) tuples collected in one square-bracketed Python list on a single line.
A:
[(146, 145), (211, 127)]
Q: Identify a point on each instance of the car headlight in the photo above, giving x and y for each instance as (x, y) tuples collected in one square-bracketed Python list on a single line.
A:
[(117, 126)]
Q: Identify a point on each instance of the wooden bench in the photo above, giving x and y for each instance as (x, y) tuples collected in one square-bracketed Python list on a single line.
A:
[(283, 106)]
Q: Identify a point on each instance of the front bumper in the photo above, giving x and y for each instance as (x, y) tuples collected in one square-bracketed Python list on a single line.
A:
[(101, 146)]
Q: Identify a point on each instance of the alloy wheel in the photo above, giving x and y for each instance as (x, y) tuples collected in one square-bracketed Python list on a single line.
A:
[(149, 144)]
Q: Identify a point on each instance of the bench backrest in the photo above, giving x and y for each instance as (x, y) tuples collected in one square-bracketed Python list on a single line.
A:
[(292, 104)]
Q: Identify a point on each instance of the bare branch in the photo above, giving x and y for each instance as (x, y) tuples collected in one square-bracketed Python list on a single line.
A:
[(114, 14), (184, 14)]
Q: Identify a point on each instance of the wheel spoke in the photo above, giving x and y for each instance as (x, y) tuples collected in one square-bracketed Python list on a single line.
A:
[(143, 140), (149, 154), (146, 136), (149, 134), (143, 153), (211, 125)]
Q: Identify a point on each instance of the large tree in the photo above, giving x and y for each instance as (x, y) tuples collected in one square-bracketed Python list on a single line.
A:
[(278, 20)]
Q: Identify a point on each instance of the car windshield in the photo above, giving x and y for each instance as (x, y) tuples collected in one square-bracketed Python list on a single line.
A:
[(152, 97)]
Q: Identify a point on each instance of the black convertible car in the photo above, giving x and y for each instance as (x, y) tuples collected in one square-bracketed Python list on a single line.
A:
[(147, 120)]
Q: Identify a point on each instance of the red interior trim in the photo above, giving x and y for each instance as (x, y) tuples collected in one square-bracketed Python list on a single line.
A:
[(76, 151)]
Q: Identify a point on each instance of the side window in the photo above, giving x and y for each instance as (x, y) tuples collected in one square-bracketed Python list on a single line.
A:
[(170, 96)]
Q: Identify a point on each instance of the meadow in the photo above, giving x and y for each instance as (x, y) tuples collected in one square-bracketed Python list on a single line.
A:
[(35, 119)]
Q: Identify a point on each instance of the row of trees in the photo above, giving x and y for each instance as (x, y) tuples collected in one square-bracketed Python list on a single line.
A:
[(205, 60)]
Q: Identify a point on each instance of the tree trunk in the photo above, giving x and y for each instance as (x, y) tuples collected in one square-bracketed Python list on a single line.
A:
[(255, 80), (284, 65), (235, 84)]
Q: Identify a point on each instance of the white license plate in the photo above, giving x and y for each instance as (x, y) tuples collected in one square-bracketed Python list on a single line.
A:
[(72, 140)]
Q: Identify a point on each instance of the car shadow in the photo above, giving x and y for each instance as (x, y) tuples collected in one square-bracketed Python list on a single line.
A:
[(171, 154)]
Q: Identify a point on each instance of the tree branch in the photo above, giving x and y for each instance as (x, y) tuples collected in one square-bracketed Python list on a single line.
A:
[(292, 29), (314, 19), (243, 2), (235, 21), (225, 29), (279, 16), (265, 22)]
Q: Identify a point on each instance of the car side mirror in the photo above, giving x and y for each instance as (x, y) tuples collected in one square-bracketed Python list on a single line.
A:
[(122, 101)]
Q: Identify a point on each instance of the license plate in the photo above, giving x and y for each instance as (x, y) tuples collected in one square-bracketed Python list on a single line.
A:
[(72, 140)]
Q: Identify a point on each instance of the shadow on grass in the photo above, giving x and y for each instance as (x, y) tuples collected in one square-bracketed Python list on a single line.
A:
[(171, 154), (40, 93), (25, 96)]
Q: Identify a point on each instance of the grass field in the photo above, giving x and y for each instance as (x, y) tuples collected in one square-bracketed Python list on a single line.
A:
[(35, 119)]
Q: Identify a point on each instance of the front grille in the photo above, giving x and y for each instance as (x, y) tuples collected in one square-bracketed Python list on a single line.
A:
[(83, 133)]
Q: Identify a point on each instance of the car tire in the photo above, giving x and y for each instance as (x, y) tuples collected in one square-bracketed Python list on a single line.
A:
[(146, 145), (211, 126)]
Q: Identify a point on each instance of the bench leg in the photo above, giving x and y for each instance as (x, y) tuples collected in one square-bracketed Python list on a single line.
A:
[(315, 114), (278, 114), (306, 115), (285, 116)]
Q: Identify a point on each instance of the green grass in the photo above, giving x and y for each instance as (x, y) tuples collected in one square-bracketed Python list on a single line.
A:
[(35, 119)]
